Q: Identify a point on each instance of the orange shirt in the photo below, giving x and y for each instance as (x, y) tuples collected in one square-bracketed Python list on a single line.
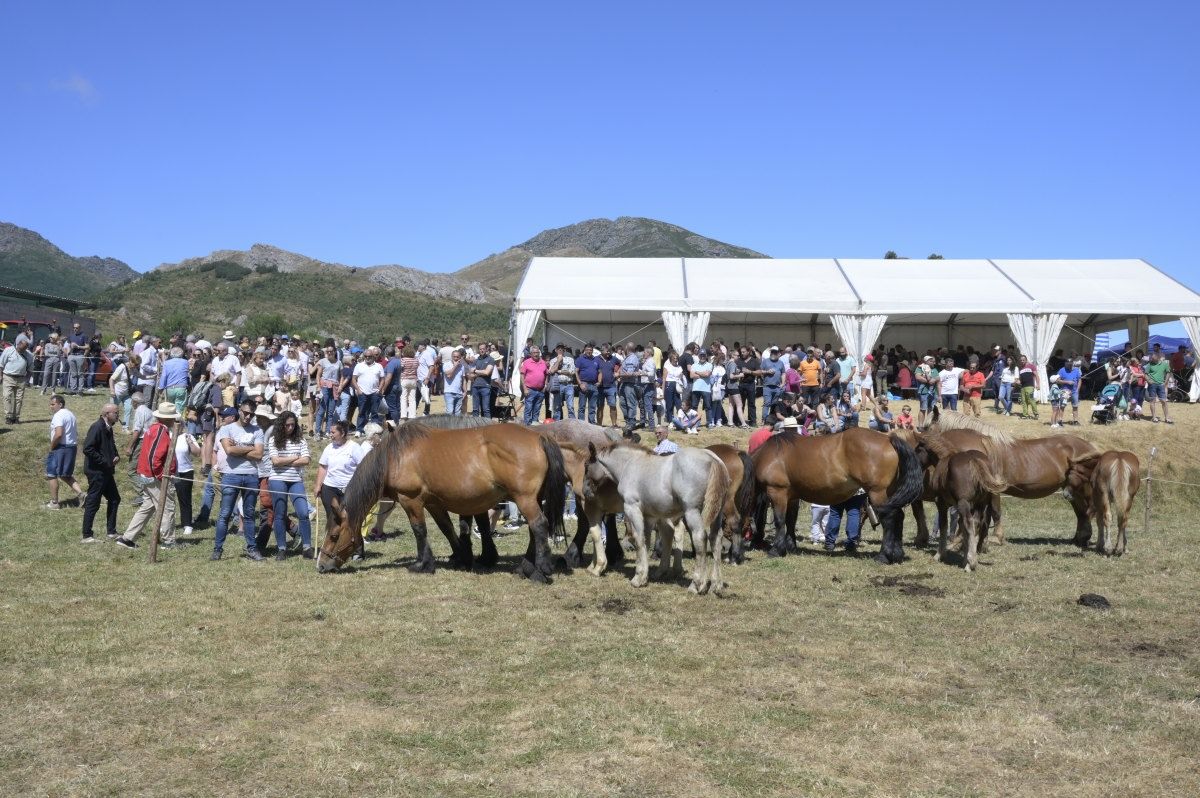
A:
[(810, 372), (974, 383)]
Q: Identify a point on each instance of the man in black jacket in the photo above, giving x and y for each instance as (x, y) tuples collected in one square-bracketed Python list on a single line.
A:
[(99, 463)]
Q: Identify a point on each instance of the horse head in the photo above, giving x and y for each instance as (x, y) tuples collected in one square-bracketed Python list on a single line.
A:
[(339, 544), (596, 474)]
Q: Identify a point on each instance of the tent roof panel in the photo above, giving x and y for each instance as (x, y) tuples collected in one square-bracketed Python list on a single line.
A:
[(932, 286), (1126, 286), (613, 283), (778, 285)]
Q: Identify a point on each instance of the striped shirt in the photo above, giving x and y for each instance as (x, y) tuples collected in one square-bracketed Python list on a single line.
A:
[(289, 473)]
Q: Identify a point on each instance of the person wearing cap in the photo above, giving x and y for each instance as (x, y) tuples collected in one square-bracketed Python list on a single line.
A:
[(773, 368), (52, 358), (155, 458), (140, 340)]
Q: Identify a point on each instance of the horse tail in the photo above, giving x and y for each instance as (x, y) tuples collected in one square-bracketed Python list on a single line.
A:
[(553, 493), (910, 477), (1123, 476), (743, 500), (985, 478), (715, 491), (367, 486)]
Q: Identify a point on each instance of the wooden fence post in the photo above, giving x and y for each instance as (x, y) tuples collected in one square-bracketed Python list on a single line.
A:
[(1149, 488)]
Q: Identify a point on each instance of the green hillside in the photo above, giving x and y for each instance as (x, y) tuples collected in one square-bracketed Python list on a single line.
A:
[(225, 295), (31, 262)]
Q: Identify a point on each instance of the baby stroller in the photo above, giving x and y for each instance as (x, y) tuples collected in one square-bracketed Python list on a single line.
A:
[(1108, 404)]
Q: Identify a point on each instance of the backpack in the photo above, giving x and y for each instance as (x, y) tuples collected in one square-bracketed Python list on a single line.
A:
[(198, 397)]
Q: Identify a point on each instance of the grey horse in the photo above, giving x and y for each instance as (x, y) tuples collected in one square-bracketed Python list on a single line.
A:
[(690, 485)]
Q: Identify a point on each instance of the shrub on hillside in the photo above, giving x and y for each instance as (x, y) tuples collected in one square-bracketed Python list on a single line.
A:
[(266, 268)]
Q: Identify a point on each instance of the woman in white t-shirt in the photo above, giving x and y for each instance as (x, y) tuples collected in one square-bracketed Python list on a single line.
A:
[(186, 447), (334, 470), (287, 452), (1008, 377), (866, 378), (672, 384), (717, 382)]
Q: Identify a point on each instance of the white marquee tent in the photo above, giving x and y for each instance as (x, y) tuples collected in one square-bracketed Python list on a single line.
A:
[(1041, 305)]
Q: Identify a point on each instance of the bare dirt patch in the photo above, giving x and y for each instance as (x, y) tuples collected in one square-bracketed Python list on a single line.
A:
[(909, 585)]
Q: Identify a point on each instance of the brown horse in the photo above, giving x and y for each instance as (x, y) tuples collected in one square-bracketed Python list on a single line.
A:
[(1033, 468), (1111, 481), (739, 502), (829, 469), (965, 481), (464, 471)]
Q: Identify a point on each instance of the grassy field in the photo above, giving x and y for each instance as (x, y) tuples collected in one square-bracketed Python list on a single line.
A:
[(817, 675)]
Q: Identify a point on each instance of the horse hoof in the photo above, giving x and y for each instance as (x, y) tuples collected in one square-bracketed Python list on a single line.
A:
[(486, 562), (572, 556), (524, 568), (562, 566), (540, 578), (638, 581), (882, 559), (421, 568), (777, 553)]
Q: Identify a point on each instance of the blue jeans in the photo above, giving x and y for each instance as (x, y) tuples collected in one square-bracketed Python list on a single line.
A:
[(566, 401), (608, 393), (453, 404), (343, 406), (280, 493), (325, 411), (368, 407), (93, 363), (703, 398), (671, 399), (630, 400), (231, 486), (770, 396), (206, 501), (481, 401), (589, 397), (950, 401), (648, 396), (392, 401), (853, 510), (533, 405), (1006, 396)]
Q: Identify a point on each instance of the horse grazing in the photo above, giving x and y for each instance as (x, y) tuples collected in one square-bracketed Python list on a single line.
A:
[(464, 471), (966, 481), (1111, 480), (690, 484), (829, 469), (739, 502), (1033, 468)]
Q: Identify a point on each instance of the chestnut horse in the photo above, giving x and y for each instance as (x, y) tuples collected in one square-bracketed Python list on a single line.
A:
[(1033, 468), (829, 469), (464, 471), (1111, 481), (965, 480), (739, 501)]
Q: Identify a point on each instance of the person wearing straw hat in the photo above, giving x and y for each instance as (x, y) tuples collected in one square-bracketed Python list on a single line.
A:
[(155, 458)]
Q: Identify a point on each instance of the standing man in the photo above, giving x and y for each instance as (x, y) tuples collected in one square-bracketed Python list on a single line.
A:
[(156, 457), (948, 384), (973, 382), (649, 386), (810, 369), (64, 443), (16, 365), (587, 377), (608, 384), (99, 465), (751, 369), (629, 378), (52, 353), (427, 360), (997, 376), (1069, 377), (847, 370), (174, 380), (76, 359), (479, 372), (533, 384), (926, 387), (773, 368), (94, 347), (452, 389), (366, 379), (565, 376), (242, 443), (1156, 386)]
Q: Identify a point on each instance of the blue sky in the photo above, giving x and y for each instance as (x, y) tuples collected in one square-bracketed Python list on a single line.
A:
[(433, 135)]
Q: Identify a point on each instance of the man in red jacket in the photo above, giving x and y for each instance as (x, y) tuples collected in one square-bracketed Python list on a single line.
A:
[(155, 457)]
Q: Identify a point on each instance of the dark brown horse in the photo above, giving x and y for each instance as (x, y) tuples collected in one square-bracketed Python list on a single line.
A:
[(739, 502), (464, 471), (1033, 468), (829, 469)]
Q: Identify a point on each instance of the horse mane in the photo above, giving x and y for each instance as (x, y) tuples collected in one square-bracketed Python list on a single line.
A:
[(450, 422), (934, 441), (948, 420), (371, 477), (778, 441)]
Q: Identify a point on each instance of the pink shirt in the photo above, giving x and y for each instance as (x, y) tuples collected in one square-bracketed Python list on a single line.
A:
[(533, 372)]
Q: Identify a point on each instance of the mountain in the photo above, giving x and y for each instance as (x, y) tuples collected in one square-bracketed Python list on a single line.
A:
[(31, 262), (623, 237), (265, 258)]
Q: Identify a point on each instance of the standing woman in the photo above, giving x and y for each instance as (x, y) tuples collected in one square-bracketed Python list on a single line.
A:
[(883, 373), (288, 453), (186, 447), (1008, 378), (334, 470), (52, 355), (1028, 376), (672, 384), (118, 389), (408, 382), (866, 380), (733, 378), (717, 382)]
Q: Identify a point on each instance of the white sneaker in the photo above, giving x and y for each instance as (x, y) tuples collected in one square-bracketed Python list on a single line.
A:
[(187, 530)]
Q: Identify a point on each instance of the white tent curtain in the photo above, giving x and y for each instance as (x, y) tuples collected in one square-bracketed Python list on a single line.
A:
[(698, 327), (1192, 325), (676, 323), (858, 333), (524, 323), (1036, 335)]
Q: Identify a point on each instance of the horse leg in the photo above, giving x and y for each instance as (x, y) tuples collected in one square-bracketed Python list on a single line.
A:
[(574, 555), (944, 512), (637, 525), (970, 521), (614, 552), (715, 583), (488, 556), (995, 511), (700, 573), (779, 501), (666, 537), (461, 557), (1083, 523), (942, 531), (891, 550), (539, 534), (918, 511), (424, 563), (758, 537), (599, 562), (792, 511)]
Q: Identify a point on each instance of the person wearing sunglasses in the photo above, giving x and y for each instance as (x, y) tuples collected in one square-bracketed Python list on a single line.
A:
[(242, 442)]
